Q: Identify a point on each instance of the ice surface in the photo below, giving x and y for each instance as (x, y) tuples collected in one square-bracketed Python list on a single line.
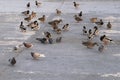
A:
[(68, 60)]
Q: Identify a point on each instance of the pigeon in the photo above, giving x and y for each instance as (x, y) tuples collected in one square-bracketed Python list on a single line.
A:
[(89, 44)]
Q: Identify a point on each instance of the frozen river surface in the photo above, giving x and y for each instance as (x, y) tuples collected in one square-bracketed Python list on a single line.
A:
[(68, 60)]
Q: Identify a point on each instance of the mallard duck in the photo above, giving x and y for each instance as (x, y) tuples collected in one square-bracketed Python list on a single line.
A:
[(55, 27), (12, 61), (84, 30), (28, 5), (90, 31), (37, 3), (18, 48), (77, 18), (76, 4), (105, 40), (65, 27), (109, 25), (28, 19), (89, 44), (42, 19), (58, 12), (33, 14), (99, 23), (42, 40), (93, 20), (35, 28), (58, 21), (105, 37), (33, 24), (36, 55), (80, 14), (47, 34), (102, 37), (55, 22), (50, 40), (52, 23), (22, 28), (101, 48), (58, 39), (26, 13), (90, 34), (27, 45), (96, 31), (58, 31)]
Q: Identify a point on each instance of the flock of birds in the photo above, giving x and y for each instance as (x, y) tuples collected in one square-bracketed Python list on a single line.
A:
[(34, 25)]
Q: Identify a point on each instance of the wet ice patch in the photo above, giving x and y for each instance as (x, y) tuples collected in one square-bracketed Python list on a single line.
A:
[(113, 75), (110, 18), (25, 72), (57, 18), (9, 42), (16, 38), (110, 31), (5, 50), (29, 33), (117, 55), (25, 36)]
